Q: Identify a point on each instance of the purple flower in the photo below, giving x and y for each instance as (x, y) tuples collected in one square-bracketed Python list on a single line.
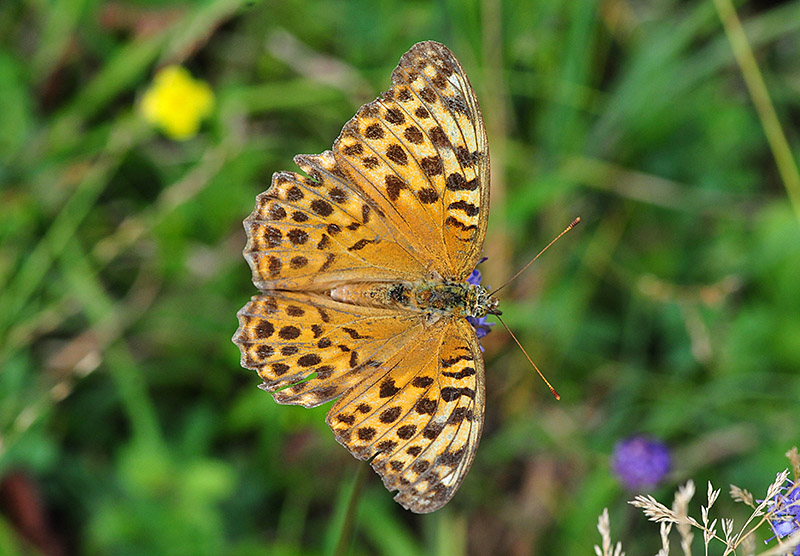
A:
[(480, 324), (640, 462), (785, 512)]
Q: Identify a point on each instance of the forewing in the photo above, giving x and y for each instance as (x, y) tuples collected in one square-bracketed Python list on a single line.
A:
[(419, 416), (403, 193), (419, 152)]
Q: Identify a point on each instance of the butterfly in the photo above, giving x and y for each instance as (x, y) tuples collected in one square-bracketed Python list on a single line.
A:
[(365, 267)]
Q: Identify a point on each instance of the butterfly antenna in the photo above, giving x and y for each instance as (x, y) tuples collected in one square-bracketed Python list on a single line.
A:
[(524, 268), (552, 390)]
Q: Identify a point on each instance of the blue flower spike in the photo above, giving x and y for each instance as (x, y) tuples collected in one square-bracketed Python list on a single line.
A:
[(785, 512), (640, 462)]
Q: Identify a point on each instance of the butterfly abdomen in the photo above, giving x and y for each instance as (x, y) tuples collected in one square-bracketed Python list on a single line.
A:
[(374, 294)]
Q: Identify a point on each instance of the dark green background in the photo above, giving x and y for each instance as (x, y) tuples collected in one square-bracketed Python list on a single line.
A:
[(673, 310)]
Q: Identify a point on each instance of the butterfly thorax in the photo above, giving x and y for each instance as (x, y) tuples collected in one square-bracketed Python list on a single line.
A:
[(453, 298)]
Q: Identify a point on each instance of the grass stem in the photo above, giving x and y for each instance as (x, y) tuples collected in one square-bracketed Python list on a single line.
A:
[(754, 80)]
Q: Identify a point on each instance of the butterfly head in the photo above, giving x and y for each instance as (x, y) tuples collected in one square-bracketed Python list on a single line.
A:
[(482, 303), (492, 304)]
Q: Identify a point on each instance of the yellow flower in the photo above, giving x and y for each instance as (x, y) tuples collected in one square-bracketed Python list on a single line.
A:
[(177, 103)]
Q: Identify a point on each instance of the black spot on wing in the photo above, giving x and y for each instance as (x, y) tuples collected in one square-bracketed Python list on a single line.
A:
[(449, 362), (450, 393), (464, 373)]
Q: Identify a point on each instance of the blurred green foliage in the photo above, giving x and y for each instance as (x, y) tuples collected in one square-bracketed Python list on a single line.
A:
[(674, 310)]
